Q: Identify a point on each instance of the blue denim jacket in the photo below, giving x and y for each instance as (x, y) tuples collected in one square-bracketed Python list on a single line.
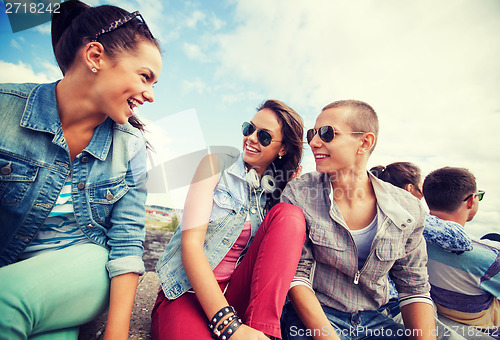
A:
[(108, 178), (232, 202)]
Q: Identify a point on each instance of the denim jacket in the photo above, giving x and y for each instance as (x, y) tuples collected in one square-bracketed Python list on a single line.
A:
[(108, 178), (232, 202)]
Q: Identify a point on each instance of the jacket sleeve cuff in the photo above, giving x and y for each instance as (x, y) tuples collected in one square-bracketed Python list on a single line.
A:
[(406, 299), (124, 265), (301, 281)]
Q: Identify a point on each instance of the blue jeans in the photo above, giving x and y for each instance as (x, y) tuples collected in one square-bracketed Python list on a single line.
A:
[(376, 324)]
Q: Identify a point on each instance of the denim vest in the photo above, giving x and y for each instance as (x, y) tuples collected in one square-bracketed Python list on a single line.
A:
[(232, 202), (108, 178)]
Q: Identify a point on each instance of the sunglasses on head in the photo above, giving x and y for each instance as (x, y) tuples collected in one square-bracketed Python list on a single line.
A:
[(326, 133), (120, 22), (479, 194), (264, 137)]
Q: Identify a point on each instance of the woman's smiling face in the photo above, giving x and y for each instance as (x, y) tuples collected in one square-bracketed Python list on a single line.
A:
[(254, 154), (127, 81)]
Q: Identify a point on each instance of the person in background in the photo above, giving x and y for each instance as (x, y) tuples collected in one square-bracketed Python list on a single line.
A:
[(229, 265), (465, 284), (407, 176), (359, 230), (73, 178), (404, 175)]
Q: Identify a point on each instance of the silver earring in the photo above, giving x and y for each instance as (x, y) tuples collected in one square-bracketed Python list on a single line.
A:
[(279, 157), (94, 70)]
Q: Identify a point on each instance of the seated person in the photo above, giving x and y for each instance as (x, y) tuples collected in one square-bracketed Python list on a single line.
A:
[(445, 234), (465, 285), (404, 175), (359, 230)]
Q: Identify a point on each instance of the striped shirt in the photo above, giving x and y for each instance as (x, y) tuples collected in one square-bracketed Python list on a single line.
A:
[(60, 229), (465, 286)]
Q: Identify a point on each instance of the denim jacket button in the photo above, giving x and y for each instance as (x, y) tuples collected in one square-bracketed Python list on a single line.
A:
[(89, 226), (6, 170), (109, 195), (85, 159), (81, 185)]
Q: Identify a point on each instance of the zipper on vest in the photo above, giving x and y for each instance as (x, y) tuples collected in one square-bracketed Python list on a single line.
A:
[(356, 277)]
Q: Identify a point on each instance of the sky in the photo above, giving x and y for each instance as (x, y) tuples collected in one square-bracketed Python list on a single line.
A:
[(430, 69)]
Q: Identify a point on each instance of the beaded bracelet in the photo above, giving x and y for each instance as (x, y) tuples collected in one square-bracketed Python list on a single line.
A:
[(219, 315), (233, 326)]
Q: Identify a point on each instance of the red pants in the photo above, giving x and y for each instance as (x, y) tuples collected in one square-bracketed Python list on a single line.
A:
[(257, 289)]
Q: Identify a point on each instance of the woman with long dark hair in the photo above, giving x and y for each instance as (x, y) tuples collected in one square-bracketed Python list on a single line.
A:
[(229, 265), (72, 178)]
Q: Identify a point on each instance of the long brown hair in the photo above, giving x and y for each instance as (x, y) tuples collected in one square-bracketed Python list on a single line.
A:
[(292, 131)]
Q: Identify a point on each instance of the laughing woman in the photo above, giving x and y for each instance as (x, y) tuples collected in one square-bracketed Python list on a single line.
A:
[(72, 178), (226, 263)]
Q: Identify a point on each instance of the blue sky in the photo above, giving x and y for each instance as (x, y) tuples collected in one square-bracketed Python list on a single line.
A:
[(429, 68)]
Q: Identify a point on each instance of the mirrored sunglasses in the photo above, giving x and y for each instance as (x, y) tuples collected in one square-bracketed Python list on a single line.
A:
[(264, 137), (326, 133), (479, 194), (120, 22)]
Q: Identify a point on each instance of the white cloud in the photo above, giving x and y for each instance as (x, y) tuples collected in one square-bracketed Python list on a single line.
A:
[(44, 28), (194, 52), (196, 17), (216, 22), (21, 73), (231, 98), (14, 43), (197, 85), (52, 69)]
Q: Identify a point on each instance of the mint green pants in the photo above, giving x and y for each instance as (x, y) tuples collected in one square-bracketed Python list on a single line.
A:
[(50, 295)]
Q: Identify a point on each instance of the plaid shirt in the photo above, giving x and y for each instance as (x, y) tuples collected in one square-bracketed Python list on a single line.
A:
[(329, 261)]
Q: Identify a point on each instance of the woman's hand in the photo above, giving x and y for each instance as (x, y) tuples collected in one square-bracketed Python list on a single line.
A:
[(245, 332), (297, 172)]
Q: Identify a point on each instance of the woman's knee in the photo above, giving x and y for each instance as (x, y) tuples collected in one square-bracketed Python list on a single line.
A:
[(289, 217)]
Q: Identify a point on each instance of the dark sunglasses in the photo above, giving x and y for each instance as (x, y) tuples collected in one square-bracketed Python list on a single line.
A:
[(326, 133), (120, 22), (479, 194), (264, 137)]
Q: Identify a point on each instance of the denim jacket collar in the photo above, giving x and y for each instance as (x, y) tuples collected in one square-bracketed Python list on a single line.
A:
[(238, 168), (41, 114)]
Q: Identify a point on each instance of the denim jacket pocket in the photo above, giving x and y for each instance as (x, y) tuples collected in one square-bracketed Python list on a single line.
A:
[(103, 195), (223, 204), (15, 178)]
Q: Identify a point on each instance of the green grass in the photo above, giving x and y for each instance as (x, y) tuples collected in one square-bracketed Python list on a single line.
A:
[(167, 226)]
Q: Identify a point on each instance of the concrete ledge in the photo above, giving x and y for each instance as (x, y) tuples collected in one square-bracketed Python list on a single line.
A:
[(140, 321)]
